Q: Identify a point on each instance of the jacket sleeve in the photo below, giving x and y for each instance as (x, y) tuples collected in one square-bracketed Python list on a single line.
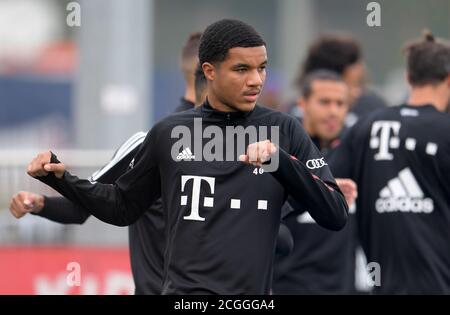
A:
[(123, 202), (341, 162), (62, 210), (308, 180)]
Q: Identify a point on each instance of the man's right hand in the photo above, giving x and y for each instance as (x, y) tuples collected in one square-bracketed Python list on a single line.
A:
[(24, 202), (41, 166), (349, 189)]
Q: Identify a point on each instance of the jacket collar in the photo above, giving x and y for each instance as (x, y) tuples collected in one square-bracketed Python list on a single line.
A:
[(208, 110)]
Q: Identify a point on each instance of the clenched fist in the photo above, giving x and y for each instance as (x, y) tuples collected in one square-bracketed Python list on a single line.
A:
[(349, 189), (24, 202), (41, 166), (258, 153)]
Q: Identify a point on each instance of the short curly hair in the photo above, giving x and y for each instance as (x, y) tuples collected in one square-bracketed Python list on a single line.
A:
[(334, 52), (223, 35)]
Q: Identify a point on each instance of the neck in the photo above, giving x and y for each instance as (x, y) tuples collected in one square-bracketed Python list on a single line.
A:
[(218, 105), (189, 94), (308, 127), (429, 95), (323, 143)]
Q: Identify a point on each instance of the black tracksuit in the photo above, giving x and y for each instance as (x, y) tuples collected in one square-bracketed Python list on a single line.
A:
[(145, 236), (321, 261), (221, 217), (400, 159)]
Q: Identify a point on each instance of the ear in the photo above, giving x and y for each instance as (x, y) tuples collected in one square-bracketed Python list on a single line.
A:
[(209, 70), (301, 102), (408, 78)]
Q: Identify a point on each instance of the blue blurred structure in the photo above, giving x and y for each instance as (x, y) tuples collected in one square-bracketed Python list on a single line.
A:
[(24, 99)]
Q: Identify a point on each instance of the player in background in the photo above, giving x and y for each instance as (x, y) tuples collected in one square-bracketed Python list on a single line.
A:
[(321, 261), (400, 160), (342, 54)]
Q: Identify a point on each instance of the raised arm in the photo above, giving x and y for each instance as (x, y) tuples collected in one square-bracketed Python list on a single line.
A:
[(121, 203), (304, 174)]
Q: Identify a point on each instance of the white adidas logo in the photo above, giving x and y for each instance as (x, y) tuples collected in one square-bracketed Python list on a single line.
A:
[(403, 194), (186, 155)]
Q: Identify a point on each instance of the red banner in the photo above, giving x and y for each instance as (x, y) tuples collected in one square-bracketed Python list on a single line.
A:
[(65, 270)]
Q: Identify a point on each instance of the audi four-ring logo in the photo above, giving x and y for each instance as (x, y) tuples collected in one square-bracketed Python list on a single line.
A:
[(315, 164)]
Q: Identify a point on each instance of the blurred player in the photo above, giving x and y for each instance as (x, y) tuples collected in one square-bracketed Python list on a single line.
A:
[(189, 65), (342, 54), (322, 261), (400, 159)]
